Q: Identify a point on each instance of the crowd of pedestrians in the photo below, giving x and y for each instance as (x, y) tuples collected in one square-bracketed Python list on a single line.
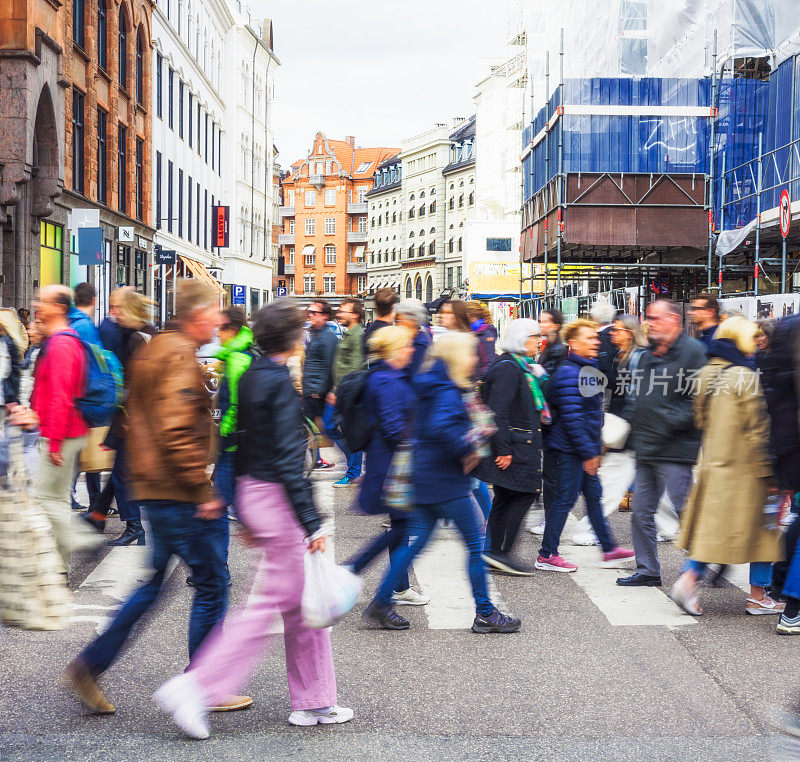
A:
[(448, 422)]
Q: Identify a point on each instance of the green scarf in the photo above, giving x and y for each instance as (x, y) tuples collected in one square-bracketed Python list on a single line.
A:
[(527, 363)]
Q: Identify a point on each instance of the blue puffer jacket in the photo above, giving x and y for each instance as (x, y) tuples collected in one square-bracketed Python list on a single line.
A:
[(440, 443), (577, 420)]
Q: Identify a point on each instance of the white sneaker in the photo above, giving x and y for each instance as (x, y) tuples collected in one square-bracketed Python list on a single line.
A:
[(587, 537), (410, 597), (183, 699), (330, 716), (537, 530)]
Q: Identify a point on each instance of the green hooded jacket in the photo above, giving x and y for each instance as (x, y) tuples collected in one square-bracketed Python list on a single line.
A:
[(237, 358)]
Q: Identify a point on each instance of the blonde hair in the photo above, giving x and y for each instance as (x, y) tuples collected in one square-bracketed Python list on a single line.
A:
[(387, 342), (571, 329), (458, 351), (135, 310), (741, 331), (192, 295)]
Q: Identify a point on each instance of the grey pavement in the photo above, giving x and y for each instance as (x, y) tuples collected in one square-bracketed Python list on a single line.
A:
[(568, 686)]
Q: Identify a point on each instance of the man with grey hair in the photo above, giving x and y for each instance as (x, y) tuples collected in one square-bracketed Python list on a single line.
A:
[(663, 434), (412, 314), (603, 313)]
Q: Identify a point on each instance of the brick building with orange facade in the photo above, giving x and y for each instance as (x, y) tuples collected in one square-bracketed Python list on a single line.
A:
[(75, 134), (324, 219)]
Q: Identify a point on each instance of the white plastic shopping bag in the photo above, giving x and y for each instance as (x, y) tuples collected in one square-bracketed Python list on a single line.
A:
[(330, 591)]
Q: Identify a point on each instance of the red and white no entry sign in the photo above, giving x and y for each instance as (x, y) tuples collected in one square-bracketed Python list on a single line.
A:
[(785, 213)]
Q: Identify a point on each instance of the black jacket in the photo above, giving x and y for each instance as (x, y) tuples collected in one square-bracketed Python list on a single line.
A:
[(552, 355), (662, 417), (270, 445), (606, 353), (11, 381), (318, 366), (506, 392)]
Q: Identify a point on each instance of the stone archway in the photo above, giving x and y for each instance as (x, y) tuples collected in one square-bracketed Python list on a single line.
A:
[(418, 288), (45, 182), (429, 288)]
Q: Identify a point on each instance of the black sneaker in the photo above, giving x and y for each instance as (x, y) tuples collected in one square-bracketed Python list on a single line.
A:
[(99, 525), (506, 564), (386, 617), (495, 622)]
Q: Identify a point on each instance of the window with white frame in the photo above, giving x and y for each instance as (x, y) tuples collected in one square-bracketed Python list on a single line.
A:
[(311, 259), (311, 199), (290, 256), (308, 284), (330, 254), (311, 226), (329, 284), (362, 283), (330, 197), (291, 227), (362, 194), (330, 225), (362, 224)]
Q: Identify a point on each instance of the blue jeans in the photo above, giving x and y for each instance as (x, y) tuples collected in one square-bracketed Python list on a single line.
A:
[(354, 459), (391, 541), (420, 527), (760, 571), (480, 491), (128, 509), (224, 479), (174, 530), (570, 481)]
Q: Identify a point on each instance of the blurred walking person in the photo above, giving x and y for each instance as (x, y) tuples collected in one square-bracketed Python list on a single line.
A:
[(385, 300), (389, 403), (412, 314), (318, 364), (446, 449), (512, 392), (663, 434), (453, 316), (723, 522), (168, 445), (480, 323), (276, 507), (349, 358), (705, 316)]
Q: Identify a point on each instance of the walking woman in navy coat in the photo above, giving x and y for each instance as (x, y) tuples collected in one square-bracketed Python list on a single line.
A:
[(389, 403)]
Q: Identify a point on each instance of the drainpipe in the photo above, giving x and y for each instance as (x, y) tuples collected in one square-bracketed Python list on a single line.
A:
[(253, 147)]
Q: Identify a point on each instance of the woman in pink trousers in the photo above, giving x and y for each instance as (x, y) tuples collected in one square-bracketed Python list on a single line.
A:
[(275, 505)]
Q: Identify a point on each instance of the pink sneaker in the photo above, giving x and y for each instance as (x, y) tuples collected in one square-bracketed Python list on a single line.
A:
[(554, 563), (615, 559)]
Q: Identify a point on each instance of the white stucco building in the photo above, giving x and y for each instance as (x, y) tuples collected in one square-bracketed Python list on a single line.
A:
[(386, 226), (249, 72), (189, 115)]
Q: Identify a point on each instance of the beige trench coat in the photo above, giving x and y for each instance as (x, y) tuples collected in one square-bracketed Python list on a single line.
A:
[(722, 522)]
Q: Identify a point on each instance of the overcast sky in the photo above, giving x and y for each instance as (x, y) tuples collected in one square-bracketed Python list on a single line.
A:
[(378, 69)]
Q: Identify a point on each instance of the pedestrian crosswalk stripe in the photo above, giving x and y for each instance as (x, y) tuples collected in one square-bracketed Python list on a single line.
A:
[(623, 606), (441, 571)]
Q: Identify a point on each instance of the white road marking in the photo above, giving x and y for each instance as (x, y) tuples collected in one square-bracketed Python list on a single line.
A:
[(441, 571), (622, 606), (115, 577)]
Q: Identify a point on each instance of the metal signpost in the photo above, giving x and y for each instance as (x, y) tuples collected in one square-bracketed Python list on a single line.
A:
[(785, 208)]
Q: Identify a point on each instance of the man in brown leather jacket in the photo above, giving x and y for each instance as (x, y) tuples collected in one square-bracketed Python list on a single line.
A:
[(169, 444)]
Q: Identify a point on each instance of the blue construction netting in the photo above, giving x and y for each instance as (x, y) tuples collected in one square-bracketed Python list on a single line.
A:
[(621, 144)]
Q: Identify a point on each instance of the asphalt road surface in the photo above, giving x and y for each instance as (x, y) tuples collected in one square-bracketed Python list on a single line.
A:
[(596, 672)]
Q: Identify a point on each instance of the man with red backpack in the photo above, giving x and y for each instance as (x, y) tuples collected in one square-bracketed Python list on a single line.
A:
[(59, 381)]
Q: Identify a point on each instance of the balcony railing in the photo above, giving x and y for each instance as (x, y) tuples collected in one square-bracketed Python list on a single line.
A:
[(357, 236), (286, 211), (285, 239), (288, 269), (357, 268), (357, 207), (316, 179)]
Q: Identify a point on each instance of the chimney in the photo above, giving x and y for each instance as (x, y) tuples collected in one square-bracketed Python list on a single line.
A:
[(351, 141)]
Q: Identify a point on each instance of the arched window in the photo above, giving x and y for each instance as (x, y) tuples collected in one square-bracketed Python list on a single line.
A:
[(450, 246), (452, 202), (123, 49), (410, 254), (460, 244), (411, 213), (432, 249), (408, 288), (418, 288), (422, 211), (433, 231), (411, 234), (429, 289), (432, 207), (102, 35), (422, 194), (140, 69), (421, 250), (472, 198), (461, 201)]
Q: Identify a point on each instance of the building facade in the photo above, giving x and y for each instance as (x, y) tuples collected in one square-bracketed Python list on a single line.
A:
[(188, 137), (32, 73), (459, 176), (325, 212), (386, 227), (108, 142), (249, 71)]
